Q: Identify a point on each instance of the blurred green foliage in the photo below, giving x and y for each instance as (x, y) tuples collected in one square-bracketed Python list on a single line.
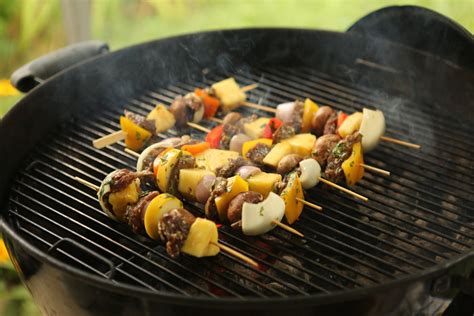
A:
[(31, 28)]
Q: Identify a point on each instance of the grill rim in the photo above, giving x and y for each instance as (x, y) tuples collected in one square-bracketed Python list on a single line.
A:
[(250, 302), (312, 299)]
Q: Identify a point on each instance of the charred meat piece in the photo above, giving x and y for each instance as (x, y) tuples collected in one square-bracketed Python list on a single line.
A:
[(184, 108), (173, 229), (184, 162), (283, 132), (320, 119), (339, 154), (234, 212), (258, 153), (141, 121), (220, 186), (135, 214), (231, 167), (233, 125), (323, 148), (331, 124), (296, 118)]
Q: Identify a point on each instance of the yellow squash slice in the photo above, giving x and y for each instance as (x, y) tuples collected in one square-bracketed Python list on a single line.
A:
[(158, 207)]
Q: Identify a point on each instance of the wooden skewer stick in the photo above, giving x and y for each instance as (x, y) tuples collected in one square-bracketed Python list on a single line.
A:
[(221, 246), (336, 186), (87, 183), (109, 139), (215, 119), (259, 107), (399, 142), (199, 127), (316, 207), (235, 254), (287, 228), (375, 169), (249, 87)]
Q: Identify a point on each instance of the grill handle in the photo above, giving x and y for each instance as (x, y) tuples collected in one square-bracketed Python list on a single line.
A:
[(35, 72), (85, 249)]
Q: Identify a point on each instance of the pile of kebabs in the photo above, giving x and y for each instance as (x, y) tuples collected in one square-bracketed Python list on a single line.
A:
[(250, 172)]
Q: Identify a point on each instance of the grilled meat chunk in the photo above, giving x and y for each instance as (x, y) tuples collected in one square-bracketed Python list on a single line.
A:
[(296, 118), (220, 186), (173, 229), (183, 108), (323, 148), (258, 153), (141, 121), (233, 125), (283, 132), (331, 124), (339, 154), (135, 214), (231, 167)]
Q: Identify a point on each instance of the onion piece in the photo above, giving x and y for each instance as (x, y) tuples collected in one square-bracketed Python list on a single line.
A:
[(284, 111), (199, 114), (169, 142), (237, 141), (247, 171), (310, 173), (258, 218), (203, 188), (371, 128)]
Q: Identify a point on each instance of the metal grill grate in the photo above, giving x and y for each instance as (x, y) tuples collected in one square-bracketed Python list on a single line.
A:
[(417, 218)]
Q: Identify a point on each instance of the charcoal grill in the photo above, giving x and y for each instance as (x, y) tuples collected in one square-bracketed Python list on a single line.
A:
[(408, 250)]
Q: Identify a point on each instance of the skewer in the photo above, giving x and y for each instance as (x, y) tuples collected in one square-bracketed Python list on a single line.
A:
[(400, 142), (288, 228), (131, 152), (316, 207), (221, 246), (235, 254), (375, 169), (337, 186), (259, 107), (215, 119), (199, 127), (109, 139), (249, 87)]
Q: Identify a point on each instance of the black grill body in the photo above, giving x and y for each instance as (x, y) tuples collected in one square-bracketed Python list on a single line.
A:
[(401, 253)]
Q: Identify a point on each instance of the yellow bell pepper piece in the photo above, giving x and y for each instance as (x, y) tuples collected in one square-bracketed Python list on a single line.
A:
[(352, 167), (158, 207), (136, 135), (247, 146), (235, 185), (310, 108), (293, 190)]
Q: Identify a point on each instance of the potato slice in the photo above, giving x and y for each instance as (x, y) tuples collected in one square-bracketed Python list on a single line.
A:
[(164, 119), (263, 182), (258, 218), (158, 207), (188, 181), (301, 144), (350, 125), (201, 235), (229, 93), (293, 190), (279, 151), (235, 185), (120, 200), (212, 159), (255, 129), (371, 128)]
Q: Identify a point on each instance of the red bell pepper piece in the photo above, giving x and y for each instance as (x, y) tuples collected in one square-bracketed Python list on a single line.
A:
[(211, 104), (341, 118), (214, 136), (271, 127)]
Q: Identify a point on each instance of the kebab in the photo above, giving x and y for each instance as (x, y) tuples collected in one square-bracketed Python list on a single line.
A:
[(307, 116), (208, 184), (158, 216), (138, 130)]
